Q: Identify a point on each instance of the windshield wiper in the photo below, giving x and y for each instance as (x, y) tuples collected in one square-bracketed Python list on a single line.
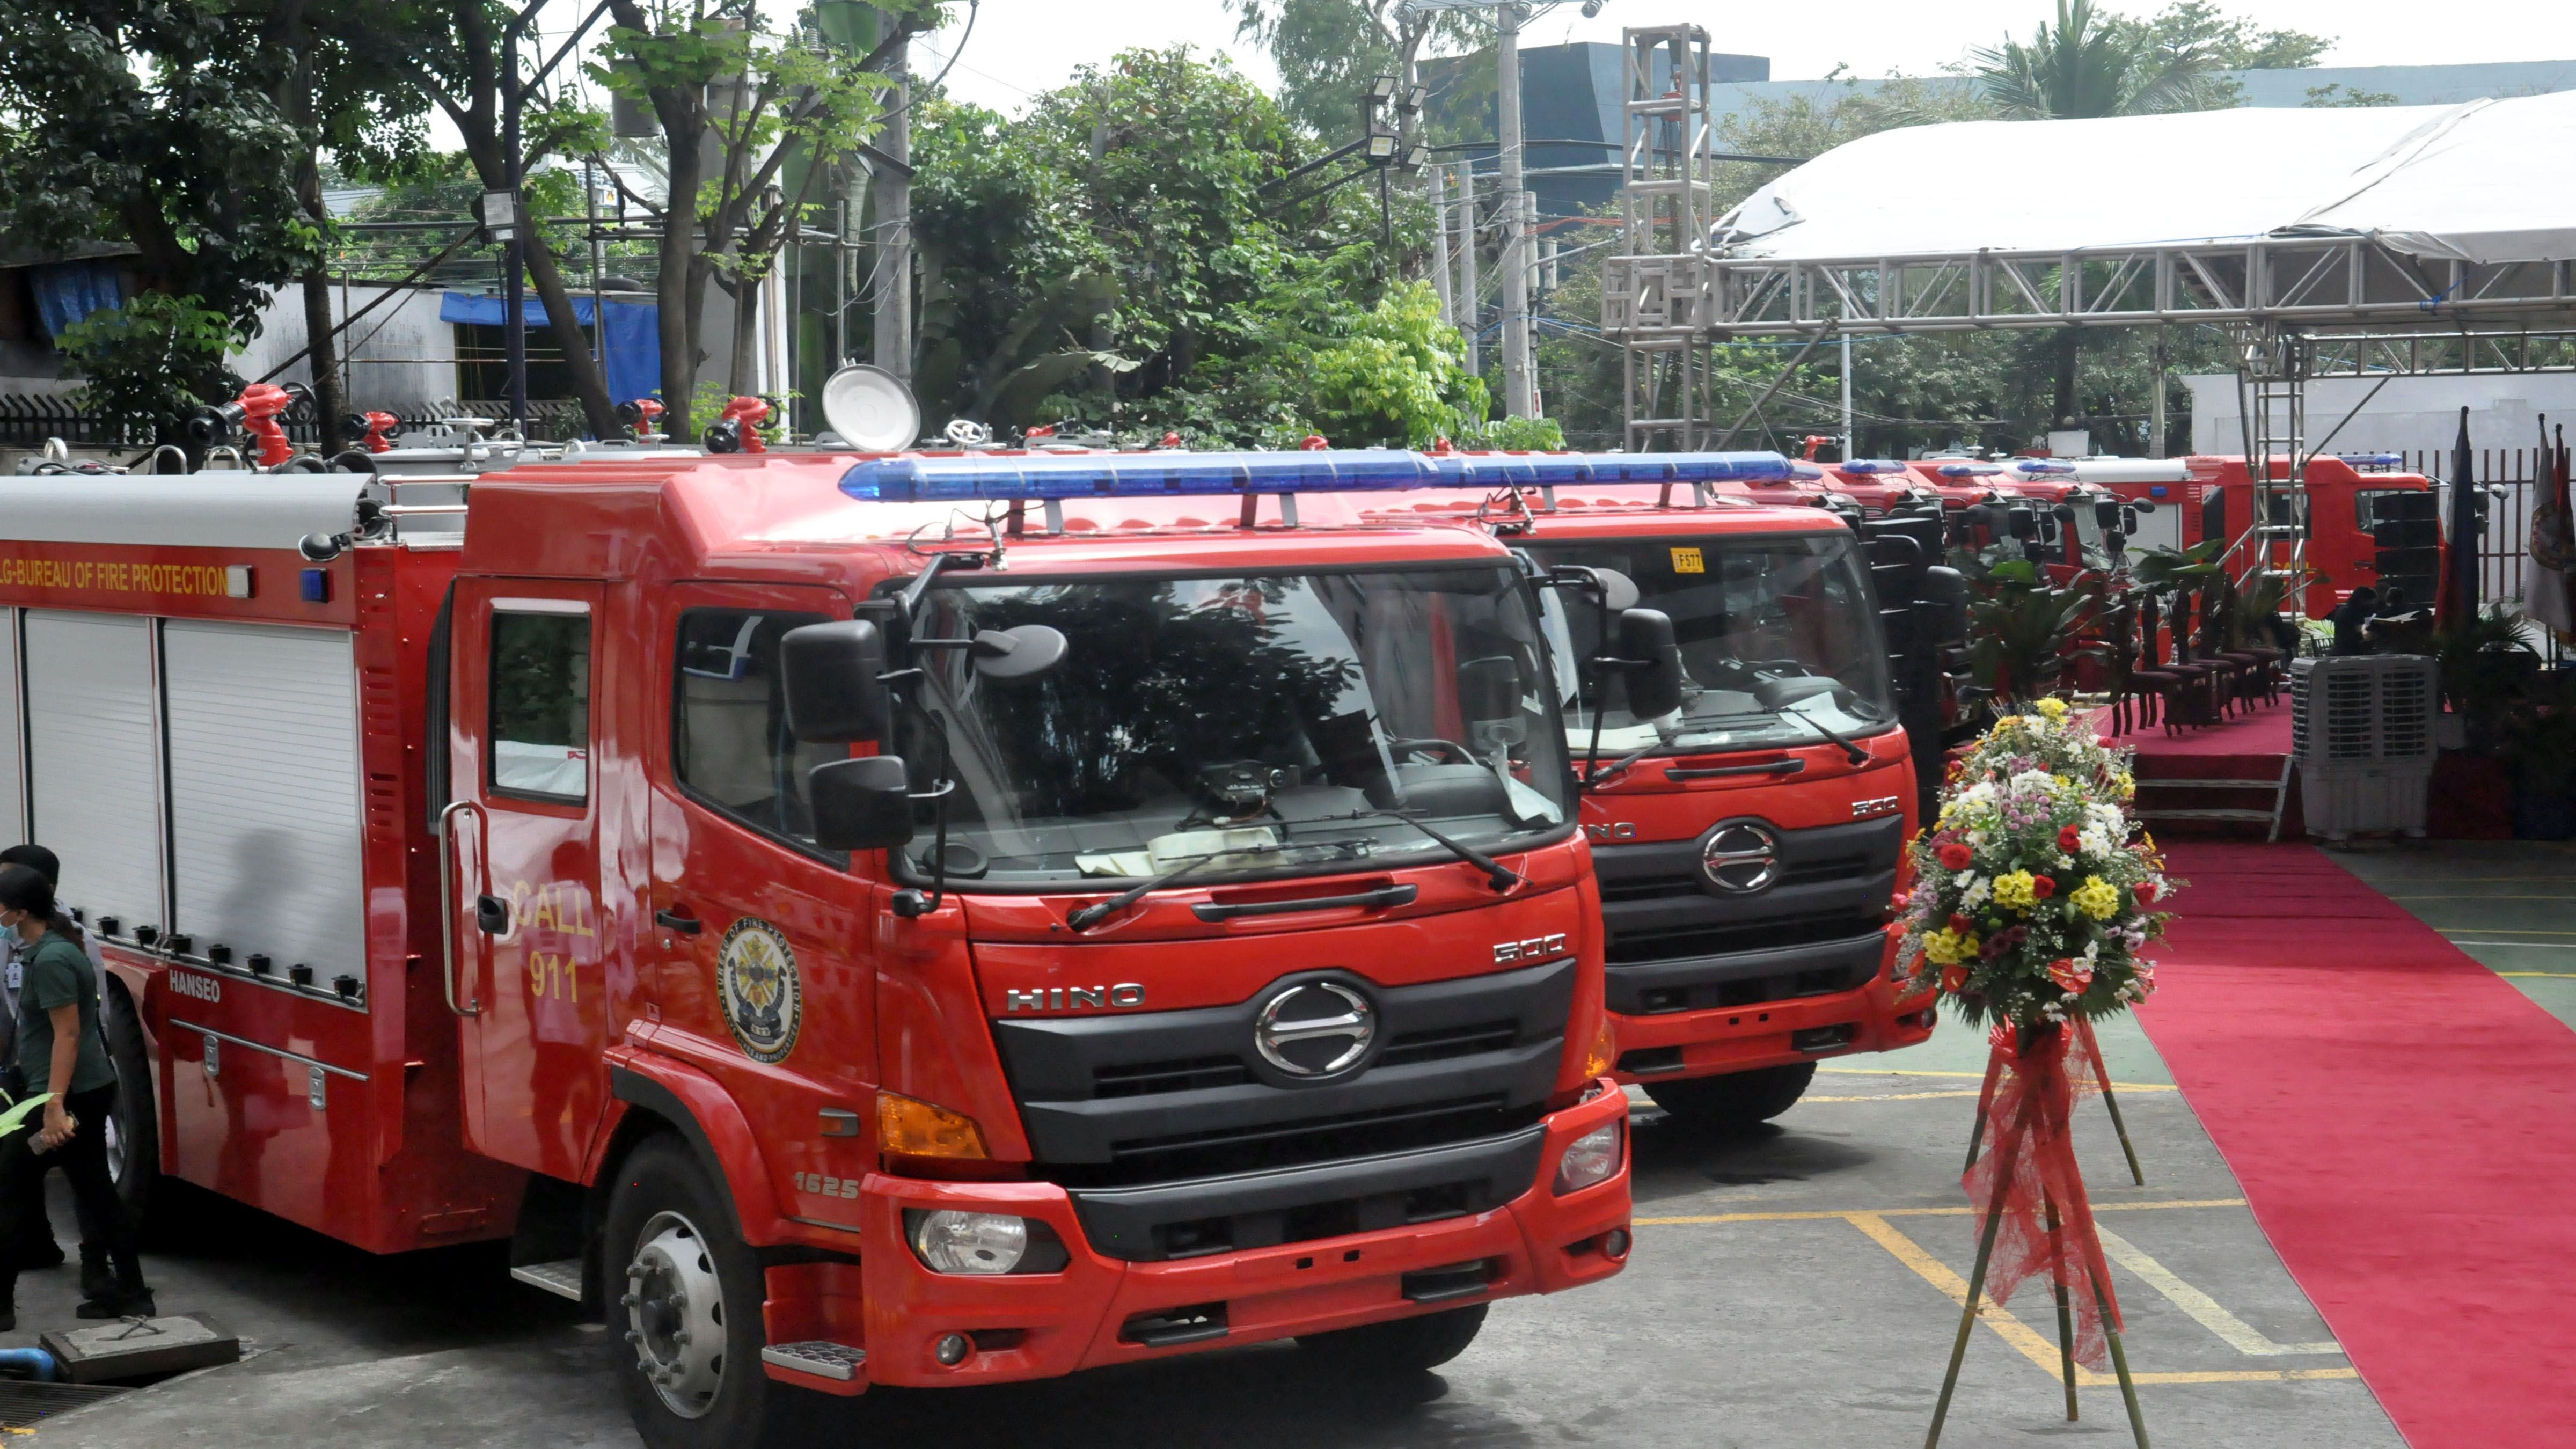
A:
[(1498, 875), (1092, 915), (1852, 752), (1596, 774)]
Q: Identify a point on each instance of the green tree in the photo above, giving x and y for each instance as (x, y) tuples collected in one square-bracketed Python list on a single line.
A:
[(2092, 64), (1327, 51), (742, 109), (1121, 258), (146, 125), (2230, 42), (445, 55)]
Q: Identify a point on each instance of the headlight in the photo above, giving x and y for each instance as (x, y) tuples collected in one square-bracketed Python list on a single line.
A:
[(957, 1242), (1590, 1158)]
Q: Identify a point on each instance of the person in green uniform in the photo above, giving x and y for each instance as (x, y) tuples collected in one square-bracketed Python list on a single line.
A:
[(61, 1052)]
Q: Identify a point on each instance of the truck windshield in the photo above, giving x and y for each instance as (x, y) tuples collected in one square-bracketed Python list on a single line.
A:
[(1262, 724), (1774, 632)]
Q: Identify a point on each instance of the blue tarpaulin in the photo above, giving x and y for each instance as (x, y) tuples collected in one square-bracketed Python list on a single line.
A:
[(67, 292), (633, 343)]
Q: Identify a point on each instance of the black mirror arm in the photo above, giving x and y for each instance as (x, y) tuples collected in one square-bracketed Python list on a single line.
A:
[(909, 902)]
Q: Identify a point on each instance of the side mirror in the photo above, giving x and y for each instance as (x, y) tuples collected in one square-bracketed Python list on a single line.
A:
[(863, 804), (1017, 653), (829, 673), (2108, 517), (2021, 523), (1944, 593), (1654, 663), (1489, 689)]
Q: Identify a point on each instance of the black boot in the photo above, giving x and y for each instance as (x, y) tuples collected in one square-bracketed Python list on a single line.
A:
[(127, 1298), (98, 1279)]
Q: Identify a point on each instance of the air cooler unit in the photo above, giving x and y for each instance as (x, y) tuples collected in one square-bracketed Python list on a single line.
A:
[(2361, 729)]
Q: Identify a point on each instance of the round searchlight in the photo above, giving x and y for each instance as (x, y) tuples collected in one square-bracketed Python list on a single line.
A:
[(871, 409)]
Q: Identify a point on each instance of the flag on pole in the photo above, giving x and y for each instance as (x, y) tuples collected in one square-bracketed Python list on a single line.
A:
[(2459, 601), (2553, 540)]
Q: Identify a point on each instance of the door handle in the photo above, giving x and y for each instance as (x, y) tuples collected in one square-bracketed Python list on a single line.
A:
[(678, 920), (447, 904), (491, 915)]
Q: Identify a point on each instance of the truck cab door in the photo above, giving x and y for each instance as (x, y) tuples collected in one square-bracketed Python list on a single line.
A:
[(527, 969)]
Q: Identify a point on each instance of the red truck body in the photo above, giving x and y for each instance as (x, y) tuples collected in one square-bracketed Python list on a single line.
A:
[(2367, 523), (568, 952), (1716, 970)]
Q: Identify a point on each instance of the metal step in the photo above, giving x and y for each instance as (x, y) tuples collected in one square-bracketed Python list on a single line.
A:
[(819, 1357), (562, 1279)]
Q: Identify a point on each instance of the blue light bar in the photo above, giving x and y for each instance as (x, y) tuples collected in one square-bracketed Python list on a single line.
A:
[(2372, 460), (1495, 471), (1805, 472), (987, 477), (1871, 465), (2040, 468)]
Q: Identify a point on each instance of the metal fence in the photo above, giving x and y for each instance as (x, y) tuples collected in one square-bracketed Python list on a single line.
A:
[(2504, 545), (27, 420)]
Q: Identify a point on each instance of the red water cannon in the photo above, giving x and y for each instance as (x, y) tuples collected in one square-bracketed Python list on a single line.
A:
[(256, 412), (375, 430), (737, 428), (1815, 443), (642, 417)]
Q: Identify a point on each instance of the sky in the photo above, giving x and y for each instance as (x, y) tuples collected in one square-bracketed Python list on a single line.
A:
[(1021, 47)]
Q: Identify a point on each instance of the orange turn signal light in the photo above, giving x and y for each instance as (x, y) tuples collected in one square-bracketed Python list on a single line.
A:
[(1605, 1051), (922, 1129)]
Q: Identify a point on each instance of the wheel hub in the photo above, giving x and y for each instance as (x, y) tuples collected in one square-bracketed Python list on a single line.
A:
[(675, 1315)]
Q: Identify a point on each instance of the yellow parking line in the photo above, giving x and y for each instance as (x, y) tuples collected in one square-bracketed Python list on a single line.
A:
[(2244, 1337), (2500, 931), (1918, 1212), (2039, 1349), (2567, 898), (1891, 1097), (1970, 1076), (2500, 973)]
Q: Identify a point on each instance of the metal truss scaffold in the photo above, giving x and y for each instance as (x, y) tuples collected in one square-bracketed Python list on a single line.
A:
[(1656, 309)]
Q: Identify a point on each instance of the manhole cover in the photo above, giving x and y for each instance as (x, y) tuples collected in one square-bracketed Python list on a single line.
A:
[(23, 1404)]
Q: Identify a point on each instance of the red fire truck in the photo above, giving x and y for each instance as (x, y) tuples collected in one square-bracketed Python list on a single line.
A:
[(2366, 521), (1747, 846), (901, 921)]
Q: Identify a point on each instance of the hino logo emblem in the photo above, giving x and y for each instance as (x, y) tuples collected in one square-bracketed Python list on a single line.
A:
[(1074, 998), (1741, 857), (1315, 1030)]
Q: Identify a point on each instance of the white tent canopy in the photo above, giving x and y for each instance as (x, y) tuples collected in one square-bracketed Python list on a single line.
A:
[(2484, 182)]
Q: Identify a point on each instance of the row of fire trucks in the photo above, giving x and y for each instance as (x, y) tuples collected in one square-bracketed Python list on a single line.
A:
[(954, 917), (949, 918)]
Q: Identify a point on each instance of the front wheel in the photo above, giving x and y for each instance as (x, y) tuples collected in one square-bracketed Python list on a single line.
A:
[(685, 1326), (1403, 1346), (1737, 1100)]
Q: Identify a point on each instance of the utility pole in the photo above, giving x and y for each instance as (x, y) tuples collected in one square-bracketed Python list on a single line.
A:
[(1520, 393), (1471, 298), (1440, 247), (893, 187), (1847, 407)]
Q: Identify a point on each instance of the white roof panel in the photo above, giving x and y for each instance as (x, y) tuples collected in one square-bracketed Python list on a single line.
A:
[(2486, 181)]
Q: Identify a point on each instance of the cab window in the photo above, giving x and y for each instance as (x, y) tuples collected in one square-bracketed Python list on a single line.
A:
[(541, 705), (730, 745)]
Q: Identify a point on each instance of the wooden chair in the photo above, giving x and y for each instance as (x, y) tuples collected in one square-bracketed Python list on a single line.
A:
[(2130, 680), (2197, 702)]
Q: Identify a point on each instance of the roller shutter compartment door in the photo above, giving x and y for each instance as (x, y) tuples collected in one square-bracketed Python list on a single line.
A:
[(13, 764), (91, 761), (264, 794)]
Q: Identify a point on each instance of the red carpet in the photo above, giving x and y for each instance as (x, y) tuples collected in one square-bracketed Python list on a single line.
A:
[(2265, 732), (2404, 1124)]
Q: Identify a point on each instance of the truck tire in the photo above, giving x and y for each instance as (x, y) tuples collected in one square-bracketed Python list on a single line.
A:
[(134, 1128), (1736, 1101), (1402, 1346), (684, 1295)]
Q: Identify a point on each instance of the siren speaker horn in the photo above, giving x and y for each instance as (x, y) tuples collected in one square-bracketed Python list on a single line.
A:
[(871, 409)]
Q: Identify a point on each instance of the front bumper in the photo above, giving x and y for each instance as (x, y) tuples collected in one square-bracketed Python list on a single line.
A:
[(1042, 1325), (1668, 1046)]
